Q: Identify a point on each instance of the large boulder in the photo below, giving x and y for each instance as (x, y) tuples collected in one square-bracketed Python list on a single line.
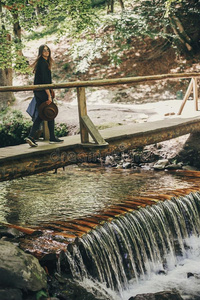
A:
[(165, 295), (19, 270), (11, 294)]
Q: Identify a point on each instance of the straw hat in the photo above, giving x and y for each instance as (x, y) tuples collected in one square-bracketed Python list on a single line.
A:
[(48, 112)]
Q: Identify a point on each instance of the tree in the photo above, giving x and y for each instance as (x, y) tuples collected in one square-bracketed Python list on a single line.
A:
[(184, 20), (5, 70), (180, 27), (18, 14)]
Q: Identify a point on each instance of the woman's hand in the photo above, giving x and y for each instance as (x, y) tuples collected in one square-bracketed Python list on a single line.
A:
[(48, 101), (49, 97)]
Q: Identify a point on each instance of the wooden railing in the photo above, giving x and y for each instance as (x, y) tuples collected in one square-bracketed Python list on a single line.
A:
[(86, 125)]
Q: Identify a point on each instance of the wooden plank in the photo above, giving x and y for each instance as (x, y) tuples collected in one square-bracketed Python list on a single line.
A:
[(82, 108), (93, 130), (195, 92), (187, 94)]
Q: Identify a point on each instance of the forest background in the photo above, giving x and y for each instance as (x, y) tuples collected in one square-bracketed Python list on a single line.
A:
[(96, 39)]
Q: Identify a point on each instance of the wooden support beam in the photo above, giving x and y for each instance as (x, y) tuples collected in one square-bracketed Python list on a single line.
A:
[(45, 131), (188, 92), (82, 108), (195, 92), (93, 131), (86, 125)]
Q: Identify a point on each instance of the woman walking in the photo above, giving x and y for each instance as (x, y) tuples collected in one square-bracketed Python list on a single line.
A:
[(42, 70)]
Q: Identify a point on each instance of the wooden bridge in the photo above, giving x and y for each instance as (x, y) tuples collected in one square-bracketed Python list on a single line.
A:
[(19, 161)]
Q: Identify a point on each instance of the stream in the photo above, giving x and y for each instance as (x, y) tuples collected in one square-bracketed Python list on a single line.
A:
[(80, 191), (83, 191)]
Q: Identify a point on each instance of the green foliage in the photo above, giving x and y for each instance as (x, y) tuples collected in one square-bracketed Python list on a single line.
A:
[(59, 15), (140, 22), (84, 52), (61, 129), (14, 129), (139, 19), (5, 49), (34, 35), (168, 4), (98, 2), (41, 295), (66, 66)]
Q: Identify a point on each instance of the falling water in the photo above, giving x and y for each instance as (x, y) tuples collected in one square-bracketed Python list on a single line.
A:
[(134, 246)]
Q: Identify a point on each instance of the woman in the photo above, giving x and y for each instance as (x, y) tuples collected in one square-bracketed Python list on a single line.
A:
[(42, 70)]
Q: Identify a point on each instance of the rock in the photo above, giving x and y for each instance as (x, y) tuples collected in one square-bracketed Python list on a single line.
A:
[(71, 290), (162, 272), (195, 275), (161, 164), (10, 294), (126, 165), (165, 295), (190, 168), (174, 166), (19, 270), (191, 151), (10, 233), (109, 160), (189, 274)]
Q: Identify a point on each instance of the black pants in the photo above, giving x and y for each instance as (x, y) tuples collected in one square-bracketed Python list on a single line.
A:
[(36, 126), (38, 120)]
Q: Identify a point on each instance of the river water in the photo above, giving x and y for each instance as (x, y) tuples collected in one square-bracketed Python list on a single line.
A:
[(176, 277), (81, 191)]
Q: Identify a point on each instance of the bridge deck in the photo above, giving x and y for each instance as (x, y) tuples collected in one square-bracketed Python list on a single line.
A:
[(22, 160)]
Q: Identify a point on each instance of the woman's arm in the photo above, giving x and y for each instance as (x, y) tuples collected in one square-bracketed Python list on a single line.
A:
[(49, 96)]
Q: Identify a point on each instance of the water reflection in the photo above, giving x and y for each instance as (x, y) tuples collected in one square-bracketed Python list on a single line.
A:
[(76, 192)]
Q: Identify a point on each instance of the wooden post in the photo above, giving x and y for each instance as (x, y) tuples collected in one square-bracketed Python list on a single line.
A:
[(82, 108), (195, 93), (187, 94), (45, 130)]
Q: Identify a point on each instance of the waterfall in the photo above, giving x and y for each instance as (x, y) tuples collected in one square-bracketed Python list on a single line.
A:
[(136, 244)]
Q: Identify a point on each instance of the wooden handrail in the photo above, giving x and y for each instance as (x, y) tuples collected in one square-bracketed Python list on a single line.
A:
[(96, 83)]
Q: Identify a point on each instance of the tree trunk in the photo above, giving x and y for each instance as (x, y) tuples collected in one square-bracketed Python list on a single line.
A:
[(121, 4), (110, 8), (180, 32), (17, 31), (17, 27), (5, 79)]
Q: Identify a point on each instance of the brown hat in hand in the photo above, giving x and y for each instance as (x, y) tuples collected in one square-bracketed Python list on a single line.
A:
[(48, 112)]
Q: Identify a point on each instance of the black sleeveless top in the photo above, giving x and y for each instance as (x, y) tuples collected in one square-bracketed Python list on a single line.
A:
[(42, 76)]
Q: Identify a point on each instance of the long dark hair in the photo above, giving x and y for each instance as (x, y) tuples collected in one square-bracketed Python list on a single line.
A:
[(40, 51)]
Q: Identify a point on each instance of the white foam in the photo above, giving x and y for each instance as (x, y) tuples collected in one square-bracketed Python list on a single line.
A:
[(176, 277)]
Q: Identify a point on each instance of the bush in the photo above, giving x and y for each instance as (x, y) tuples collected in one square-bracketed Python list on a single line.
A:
[(61, 129), (14, 129)]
